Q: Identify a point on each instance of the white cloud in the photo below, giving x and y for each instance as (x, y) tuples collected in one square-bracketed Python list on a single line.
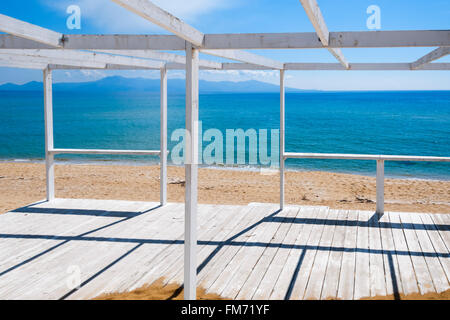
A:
[(110, 17)]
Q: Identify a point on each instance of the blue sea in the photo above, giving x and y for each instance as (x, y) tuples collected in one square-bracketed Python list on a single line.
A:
[(400, 123)]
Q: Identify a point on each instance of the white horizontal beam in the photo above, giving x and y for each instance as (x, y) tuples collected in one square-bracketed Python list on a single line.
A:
[(247, 57), (164, 56), (104, 151), (294, 155), (74, 55), (315, 16), (309, 40), (432, 56), (14, 58), (29, 31), (165, 20), (295, 40), (22, 65)]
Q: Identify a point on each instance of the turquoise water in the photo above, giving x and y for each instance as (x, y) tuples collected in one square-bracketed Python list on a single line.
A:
[(405, 123)]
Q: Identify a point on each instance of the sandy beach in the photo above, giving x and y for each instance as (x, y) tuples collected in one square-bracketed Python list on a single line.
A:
[(24, 183)]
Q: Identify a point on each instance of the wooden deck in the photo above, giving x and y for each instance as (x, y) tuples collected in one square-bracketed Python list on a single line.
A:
[(244, 252)]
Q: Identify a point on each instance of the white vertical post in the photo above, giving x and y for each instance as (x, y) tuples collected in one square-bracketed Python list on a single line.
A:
[(282, 136), (48, 116), (191, 167), (163, 138), (380, 187)]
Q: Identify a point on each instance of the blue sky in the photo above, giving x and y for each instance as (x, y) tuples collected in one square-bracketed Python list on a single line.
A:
[(241, 16)]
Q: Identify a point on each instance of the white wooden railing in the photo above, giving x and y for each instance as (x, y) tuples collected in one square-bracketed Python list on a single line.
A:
[(380, 159)]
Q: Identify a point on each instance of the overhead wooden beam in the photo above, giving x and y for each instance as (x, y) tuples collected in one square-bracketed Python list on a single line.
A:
[(164, 19), (295, 40), (29, 31), (22, 65), (164, 56), (315, 16), (14, 58), (247, 57), (75, 55), (432, 56)]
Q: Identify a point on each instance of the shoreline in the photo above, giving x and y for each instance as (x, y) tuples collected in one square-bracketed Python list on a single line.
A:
[(245, 168), (24, 183)]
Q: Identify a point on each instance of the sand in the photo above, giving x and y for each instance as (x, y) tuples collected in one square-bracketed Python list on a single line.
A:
[(157, 291), (24, 183)]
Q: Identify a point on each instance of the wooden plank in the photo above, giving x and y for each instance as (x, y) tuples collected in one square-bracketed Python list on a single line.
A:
[(332, 273), (191, 173), (443, 222), (75, 55), (14, 58), (48, 119), (306, 260), (242, 233), (297, 155), (163, 137), (246, 280), (218, 231), (392, 271), (280, 276), (248, 254), (437, 272), (162, 18), (29, 31), (406, 269), (362, 264), (247, 57), (430, 57), (347, 272), (376, 261), (238, 41), (423, 276), (317, 276), (282, 137)]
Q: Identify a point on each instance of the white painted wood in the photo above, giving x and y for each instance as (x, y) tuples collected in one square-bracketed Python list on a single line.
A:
[(315, 16), (276, 281), (247, 57), (256, 276), (317, 277), (406, 269), (380, 188), (104, 151), (437, 272), (362, 264), (282, 137), (155, 14), (433, 55), (29, 31), (191, 168), (178, 60), (392, 271), (331, 282), (48, 112), (14, 58), (296, 155), (306, 266), (75, 55), (163, 138), (376, 262), (238, 41), (346, 284), (424, 281), (22, 65)]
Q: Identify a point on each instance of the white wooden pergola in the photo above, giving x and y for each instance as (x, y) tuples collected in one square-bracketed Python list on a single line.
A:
[(30, 46)]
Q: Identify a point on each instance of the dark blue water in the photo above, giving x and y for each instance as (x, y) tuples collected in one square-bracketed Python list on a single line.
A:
[(404, 123)]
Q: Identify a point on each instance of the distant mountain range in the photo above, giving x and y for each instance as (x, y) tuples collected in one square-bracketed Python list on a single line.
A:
[(175, 86)]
